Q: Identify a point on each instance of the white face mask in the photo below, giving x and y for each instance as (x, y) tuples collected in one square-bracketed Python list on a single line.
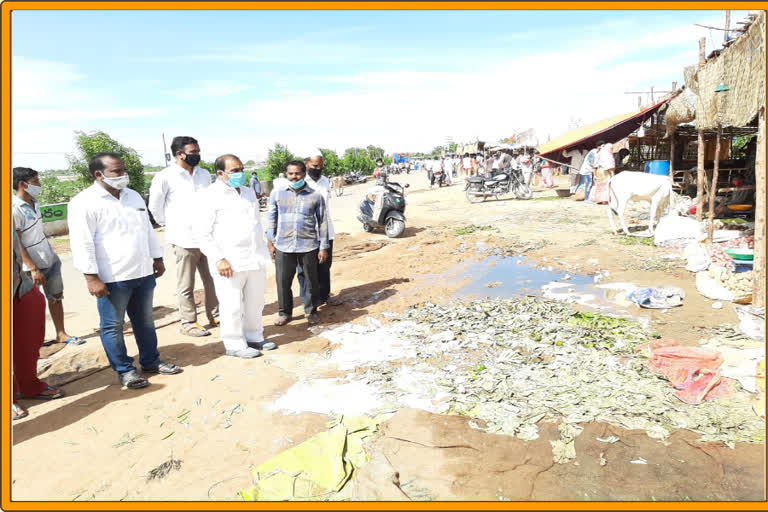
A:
[(118, 183), (33, 190)]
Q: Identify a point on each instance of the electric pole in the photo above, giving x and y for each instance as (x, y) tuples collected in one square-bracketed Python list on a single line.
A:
[(166, 156)]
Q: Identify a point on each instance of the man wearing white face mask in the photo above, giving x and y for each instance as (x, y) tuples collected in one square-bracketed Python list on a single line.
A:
[(116, 249), (40, 261), (231, 236)]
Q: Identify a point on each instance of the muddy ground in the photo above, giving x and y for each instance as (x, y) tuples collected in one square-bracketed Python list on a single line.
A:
[(100, 442)]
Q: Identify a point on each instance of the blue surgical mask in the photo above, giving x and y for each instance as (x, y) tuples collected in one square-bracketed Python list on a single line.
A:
[(296, 185), (236, 179)]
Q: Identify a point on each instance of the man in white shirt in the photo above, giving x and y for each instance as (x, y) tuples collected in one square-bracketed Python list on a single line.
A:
[(41, 263), (577, 157), (466, 165), (231, 237), (173, 197), (114, 246), (587, 169), (322, 185)]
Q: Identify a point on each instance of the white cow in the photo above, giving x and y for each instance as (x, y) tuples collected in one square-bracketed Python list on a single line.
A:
[(637, 186)]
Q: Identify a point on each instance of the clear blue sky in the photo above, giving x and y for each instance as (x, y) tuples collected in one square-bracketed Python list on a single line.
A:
[(241, 80)]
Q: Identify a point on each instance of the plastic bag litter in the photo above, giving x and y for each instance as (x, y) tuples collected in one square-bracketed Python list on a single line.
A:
[(662, 297), (751, 321), (318, 467), (672, 227)]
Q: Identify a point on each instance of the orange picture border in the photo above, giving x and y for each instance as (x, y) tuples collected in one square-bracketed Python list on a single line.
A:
[(8, 6)]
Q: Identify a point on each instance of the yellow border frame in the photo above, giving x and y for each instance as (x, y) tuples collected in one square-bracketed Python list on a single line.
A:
[(5, 278)]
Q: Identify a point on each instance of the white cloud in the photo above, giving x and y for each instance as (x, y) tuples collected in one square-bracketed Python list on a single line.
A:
[(398, 110)]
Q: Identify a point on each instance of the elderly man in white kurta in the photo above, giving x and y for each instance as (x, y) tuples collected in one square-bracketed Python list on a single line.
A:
[(231, 237)]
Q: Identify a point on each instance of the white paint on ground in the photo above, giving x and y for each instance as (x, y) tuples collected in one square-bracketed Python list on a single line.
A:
[(328, 396)]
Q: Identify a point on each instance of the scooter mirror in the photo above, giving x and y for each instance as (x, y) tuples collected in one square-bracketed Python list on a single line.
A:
[(407, 185)]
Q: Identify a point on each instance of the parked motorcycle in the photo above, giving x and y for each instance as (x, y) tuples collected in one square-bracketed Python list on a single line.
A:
[(479, 188), (391, 214), (354, 178), (439, 177)]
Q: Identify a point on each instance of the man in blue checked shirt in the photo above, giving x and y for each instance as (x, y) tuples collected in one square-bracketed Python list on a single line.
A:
[(297, 233)]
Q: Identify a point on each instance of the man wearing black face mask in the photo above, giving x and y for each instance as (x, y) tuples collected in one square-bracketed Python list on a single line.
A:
[(322, 185), (173, 196)]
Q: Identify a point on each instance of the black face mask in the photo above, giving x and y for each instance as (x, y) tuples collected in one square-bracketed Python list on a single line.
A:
[(315, 173), (192, 160)]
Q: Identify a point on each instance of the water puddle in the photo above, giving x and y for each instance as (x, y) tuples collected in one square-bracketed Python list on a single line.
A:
[(507, 277)]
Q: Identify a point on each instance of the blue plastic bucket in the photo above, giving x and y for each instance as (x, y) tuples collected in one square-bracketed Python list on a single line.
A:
[(657, 167)]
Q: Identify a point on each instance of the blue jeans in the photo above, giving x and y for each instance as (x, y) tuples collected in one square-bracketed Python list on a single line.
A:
[(586, 180), (134, 297)]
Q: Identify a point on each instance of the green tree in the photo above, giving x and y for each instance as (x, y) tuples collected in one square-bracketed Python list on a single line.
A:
[(277, 159), (250, 163), (56, 191), (89, 144), (332, 165), (208, 166)]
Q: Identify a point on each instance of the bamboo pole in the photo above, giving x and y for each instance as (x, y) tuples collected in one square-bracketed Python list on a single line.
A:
[(713, 188), (758, 281), (700, 177)]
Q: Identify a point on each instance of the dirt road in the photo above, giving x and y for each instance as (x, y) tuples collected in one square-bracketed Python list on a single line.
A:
[(100, 443)]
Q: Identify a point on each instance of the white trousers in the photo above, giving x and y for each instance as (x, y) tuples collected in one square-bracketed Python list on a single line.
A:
[(241, 304)]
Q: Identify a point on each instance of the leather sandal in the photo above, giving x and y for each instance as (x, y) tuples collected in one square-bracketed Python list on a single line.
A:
[(195, 330), (282, 320)]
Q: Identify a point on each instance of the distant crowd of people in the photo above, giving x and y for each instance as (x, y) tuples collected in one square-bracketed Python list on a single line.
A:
[(213, 229)]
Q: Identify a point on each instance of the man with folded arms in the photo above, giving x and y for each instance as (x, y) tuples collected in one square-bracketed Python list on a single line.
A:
[(115, 247), (232, 239)]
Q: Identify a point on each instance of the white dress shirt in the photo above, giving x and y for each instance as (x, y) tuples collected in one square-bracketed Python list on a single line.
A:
[(229, 227), (173, 199), (323, 186), (111, 237)]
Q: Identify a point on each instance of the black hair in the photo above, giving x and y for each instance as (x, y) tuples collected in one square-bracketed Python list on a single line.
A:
[(600, 142), (96, 163), (306, 160), (297, 163), (22, 174), (221, 163), (178, 143)]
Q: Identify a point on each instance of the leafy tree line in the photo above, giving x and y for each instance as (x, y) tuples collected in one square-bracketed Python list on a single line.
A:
[(88, 144)]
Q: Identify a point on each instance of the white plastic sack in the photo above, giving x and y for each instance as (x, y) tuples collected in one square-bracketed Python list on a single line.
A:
[(751, 321), (672, 227), (697, 256), (711, 288)]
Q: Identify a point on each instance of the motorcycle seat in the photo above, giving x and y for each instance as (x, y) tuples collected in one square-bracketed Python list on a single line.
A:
[(477, 179)]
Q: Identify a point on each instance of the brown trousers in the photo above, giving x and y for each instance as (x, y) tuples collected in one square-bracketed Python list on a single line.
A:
[(187, 262)]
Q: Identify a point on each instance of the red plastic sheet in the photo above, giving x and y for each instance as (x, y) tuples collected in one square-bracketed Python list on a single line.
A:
[(693, 371)]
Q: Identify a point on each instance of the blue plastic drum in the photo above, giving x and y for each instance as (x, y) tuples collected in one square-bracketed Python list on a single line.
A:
[(660, 167)]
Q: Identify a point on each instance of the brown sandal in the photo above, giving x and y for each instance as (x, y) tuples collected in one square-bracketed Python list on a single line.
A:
[(194, 330), (282, 320)]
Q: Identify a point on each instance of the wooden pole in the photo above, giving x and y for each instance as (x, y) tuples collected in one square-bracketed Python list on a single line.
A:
[(672, 158), (713, 187), (727, 25), (758, 282), (700, 177)]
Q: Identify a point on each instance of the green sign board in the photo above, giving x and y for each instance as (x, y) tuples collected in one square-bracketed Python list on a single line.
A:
[(53, 212)]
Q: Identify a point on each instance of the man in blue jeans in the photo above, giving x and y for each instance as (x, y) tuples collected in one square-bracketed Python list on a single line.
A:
[(587, 169), (114, 246)]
